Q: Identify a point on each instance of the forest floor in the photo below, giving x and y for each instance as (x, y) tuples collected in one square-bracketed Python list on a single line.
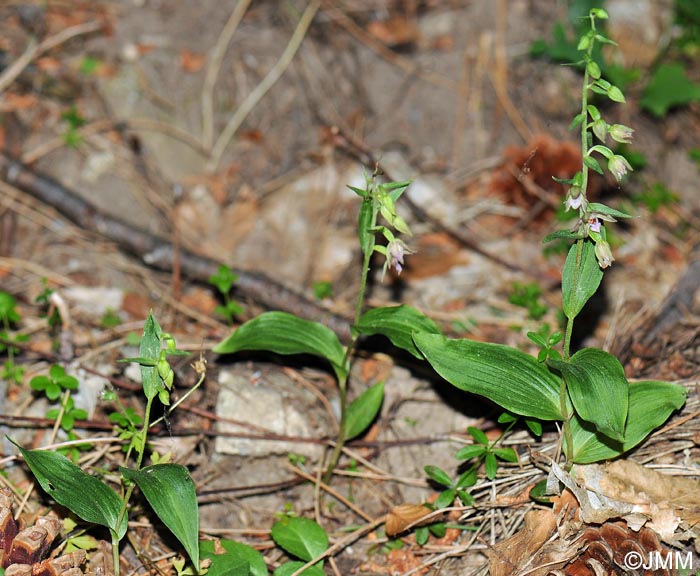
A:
[(227, 132)]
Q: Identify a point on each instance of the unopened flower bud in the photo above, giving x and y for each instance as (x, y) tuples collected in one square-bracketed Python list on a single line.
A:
[(621, 133), (603, 254), (600, 129), (619, 166)]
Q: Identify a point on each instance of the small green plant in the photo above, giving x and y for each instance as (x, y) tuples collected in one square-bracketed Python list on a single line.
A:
[(528, 296), (9, 317), (301, 538), (223, 281), (602, 415), (168, 488), (74, 121), (285, 333), (323, 289)]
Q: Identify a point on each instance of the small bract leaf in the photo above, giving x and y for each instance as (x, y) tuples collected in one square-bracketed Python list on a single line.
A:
[(301, 537), (363, 410), (170, 491), (82, 494), (603, 209), (593, 164), (398, 323), (598, 389), (650, 405), (575, 294), (150, 349), (285, 333), (510, 378), (234, 552), (561, 235)]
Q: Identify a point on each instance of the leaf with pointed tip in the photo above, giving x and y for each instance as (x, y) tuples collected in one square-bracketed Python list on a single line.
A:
[(363, 410), (398, 323), (284, 333), (84, 495), (170, 491), (650, 405), (301, 537), (576, 294), (598, 389), (241, 554), (603, 209), (510, 378)]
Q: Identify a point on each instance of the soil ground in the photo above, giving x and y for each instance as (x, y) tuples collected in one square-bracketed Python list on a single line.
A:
[(152, 112)]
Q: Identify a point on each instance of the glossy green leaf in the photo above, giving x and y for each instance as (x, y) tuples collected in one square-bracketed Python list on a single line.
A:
[(300, 537), (650, 405), (445, 498), (363, 410), (469, 452), (170, 491), (478, 435), (576, 294), (284, 333), (490, 465), (598, 389), (84, 495), (438, 475), (150, 349), (289, 568), (231, 563), (510, 378), (398, 323)]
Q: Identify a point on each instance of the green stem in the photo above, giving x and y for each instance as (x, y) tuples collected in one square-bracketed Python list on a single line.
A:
[(343, 382), (115, 552), (567, 425)]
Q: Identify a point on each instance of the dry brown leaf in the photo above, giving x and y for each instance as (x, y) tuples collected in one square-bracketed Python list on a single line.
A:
[(396, 31), (191, 61), (509, 556), (405, 515)]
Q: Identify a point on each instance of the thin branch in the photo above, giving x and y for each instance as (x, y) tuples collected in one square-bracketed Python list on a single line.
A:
[(35, 50), (215, 59), (261, 89)]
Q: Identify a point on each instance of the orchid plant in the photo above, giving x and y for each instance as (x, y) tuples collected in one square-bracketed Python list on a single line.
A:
[(601, 413)]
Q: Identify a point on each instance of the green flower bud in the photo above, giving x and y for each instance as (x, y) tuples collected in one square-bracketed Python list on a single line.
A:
[(621, 133), (603, 254)]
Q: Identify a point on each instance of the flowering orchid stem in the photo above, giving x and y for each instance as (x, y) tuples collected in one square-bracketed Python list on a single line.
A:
[(343, 382)]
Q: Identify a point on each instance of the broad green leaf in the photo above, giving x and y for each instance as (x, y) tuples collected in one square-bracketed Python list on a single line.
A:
[(84, 495), (650, 405), (598, 389), (289, 568), (285, 333), (575, 295), (236, 555), (510, 378), (398, 323), (363, 410), (170, 491), (150, 349), (438, 475), (669, 87), (300, 537)]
